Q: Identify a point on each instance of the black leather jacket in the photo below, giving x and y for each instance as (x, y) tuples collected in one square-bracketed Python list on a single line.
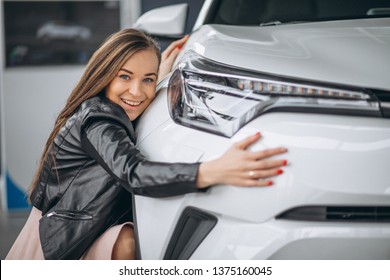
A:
[(93, 169)]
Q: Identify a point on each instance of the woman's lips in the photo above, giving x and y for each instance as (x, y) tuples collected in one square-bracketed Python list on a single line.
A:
[(131, 103)]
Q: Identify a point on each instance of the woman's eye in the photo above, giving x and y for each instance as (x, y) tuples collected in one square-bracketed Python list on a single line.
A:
[(149, 80), (124, 77)]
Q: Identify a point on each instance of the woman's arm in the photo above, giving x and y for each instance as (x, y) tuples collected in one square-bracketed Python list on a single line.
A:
[(108, 143)]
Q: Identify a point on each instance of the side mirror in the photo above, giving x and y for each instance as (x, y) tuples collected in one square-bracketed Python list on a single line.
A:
[(168, 21)]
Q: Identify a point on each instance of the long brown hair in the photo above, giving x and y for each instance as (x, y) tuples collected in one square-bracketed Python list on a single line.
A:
[(101, 69)]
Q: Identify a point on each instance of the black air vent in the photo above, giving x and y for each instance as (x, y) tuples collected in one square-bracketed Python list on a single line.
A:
[(338, 213), (192, 227)]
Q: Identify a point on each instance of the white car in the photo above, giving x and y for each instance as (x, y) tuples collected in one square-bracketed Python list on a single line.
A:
[(312, 76), (63, 30)]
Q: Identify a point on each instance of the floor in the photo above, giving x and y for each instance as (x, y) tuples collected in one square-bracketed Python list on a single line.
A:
[(10, 225)]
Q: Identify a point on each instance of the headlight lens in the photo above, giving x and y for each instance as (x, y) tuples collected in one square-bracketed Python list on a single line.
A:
[(220, 99)]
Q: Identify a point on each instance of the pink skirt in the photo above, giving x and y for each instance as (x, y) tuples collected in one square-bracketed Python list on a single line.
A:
[(27, 245)]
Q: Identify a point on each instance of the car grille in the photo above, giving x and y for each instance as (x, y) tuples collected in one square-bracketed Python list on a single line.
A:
[(338, 213)]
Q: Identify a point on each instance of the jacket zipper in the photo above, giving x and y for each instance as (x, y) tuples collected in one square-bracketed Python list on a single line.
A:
[(69, 215)]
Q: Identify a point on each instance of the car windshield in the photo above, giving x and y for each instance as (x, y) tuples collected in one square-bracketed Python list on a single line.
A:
[(264, 12)]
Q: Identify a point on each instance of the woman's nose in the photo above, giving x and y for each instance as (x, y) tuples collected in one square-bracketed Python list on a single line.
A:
[(135, 88)]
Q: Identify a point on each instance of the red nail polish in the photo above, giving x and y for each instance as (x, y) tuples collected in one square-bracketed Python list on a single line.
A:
[(257, 134), (270, 183), (284, 162), (179, 47), (279, 171)]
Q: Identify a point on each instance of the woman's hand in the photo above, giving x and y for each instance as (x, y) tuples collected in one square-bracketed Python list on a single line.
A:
[(240, 167), (169, 55)]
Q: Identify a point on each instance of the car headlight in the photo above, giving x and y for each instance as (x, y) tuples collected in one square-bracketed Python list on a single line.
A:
[(218, 98)]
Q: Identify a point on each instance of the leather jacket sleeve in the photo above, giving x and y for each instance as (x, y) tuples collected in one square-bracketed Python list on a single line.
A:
[(107, 141)]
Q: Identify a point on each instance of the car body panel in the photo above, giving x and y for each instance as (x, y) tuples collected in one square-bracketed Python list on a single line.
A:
[(296, 50), (335, 159), (344, 146)]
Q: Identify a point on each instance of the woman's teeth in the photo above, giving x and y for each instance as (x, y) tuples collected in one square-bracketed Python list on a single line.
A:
[(131, 103)]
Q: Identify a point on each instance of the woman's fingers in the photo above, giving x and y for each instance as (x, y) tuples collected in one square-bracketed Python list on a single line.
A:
[(256, 178), (262, 174), (258, 155), (265, 164), (169, 55), (244, 144), (240, 167), (267, 153), (174, 45), (257, 168), (257, 183), (172, 56)]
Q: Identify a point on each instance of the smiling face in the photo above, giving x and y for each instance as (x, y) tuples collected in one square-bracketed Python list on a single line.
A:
[(134, 86)]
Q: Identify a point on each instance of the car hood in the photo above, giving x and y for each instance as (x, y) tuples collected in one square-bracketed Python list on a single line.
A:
[(349, 52)]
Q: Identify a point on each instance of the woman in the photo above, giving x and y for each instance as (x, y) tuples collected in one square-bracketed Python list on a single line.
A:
[(90, 167)]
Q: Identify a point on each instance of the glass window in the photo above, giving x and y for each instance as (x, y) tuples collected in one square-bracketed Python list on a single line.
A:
[(56, 32), (256, 12)]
